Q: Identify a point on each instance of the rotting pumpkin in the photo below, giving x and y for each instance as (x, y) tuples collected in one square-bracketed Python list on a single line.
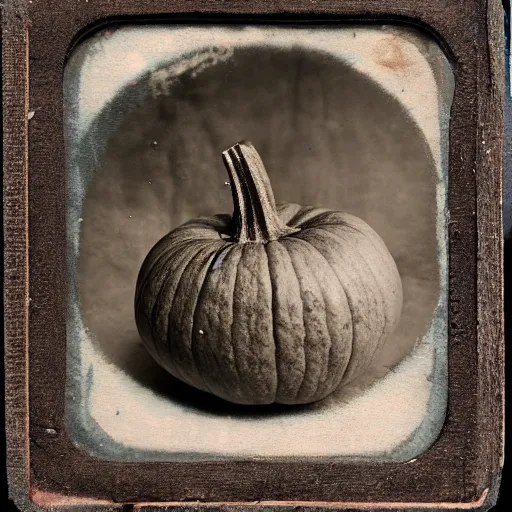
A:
[(272, 304)]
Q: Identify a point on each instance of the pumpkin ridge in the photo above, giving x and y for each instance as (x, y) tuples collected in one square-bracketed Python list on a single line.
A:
[(381, 248), (215, 318), (205, 247), (170, 260), (279, 264), (156, 300), (378, 244), (309, 225), (303, 323), (171, 308), (211, 262), (324, 218), (300, 391), (382, 296), (200, 298), (283, 211), (210, 222), (272, 325), (273, 307), (166, 340), (143, 292), (145, 274), (369, 267), (232, 316), (296, 220), (349, 307), (367, 232), (165, 252), (320, 380), (351, 361), (199, 228), (385, 331), (253, 326)]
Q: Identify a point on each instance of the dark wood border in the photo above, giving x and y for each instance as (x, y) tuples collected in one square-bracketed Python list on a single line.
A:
[(460, 471)]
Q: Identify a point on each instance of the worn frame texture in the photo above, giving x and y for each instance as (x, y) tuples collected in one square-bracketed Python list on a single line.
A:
[(460, 471)]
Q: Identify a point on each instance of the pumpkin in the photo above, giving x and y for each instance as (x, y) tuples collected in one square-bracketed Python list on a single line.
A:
[(271, 304)]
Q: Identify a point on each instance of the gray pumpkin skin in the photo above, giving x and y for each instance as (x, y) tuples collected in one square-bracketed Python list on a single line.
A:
[(284, 320)]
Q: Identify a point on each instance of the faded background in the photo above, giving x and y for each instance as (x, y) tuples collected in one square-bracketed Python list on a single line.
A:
[(329, 136)]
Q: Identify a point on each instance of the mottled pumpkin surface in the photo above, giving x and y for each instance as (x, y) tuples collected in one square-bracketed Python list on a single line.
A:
[(268, 305), (328, 136), (286, 321)]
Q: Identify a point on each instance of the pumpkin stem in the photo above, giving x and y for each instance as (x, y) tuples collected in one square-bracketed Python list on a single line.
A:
[(255, 216)]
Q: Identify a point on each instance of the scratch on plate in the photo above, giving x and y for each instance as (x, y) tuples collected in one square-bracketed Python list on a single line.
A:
[(161, 80)]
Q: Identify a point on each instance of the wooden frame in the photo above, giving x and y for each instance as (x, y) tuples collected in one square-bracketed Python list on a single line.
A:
[(460, 471)]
